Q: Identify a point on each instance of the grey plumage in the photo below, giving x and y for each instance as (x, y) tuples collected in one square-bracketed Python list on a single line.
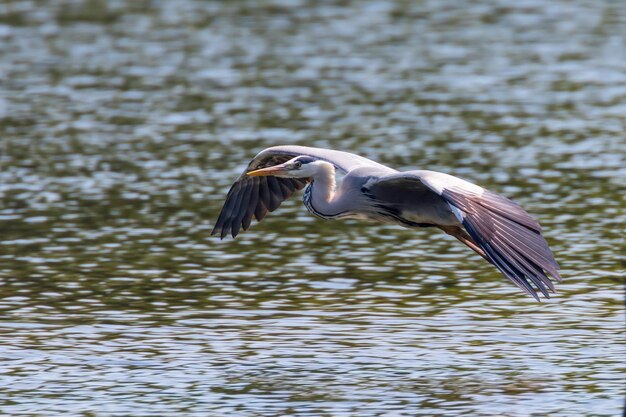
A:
[(495, 227)]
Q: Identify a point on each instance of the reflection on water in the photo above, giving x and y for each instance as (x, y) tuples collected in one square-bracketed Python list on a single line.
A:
[(124, 123)]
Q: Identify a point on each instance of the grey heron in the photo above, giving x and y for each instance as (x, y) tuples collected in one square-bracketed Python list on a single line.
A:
[(495, 227)]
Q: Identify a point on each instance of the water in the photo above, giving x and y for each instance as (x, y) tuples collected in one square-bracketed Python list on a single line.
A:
[(124, 123)]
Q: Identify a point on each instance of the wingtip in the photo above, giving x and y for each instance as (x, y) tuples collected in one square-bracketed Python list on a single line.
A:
[(216, 231), (530, 292)]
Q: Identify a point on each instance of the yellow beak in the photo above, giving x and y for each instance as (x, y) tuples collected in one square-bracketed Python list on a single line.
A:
[(264, 172)]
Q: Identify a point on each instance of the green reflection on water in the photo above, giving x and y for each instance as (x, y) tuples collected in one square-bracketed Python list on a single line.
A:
[(123, 125)]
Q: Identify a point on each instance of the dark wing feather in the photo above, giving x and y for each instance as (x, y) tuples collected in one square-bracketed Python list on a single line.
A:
[(264, 193), (255, 196), (276, 194), (510, 237), (252, 204)]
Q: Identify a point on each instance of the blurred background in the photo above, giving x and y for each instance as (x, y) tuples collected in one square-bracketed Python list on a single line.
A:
[(123, 123)]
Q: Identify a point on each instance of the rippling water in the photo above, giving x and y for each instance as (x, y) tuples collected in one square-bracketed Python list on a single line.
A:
[(124, 123)]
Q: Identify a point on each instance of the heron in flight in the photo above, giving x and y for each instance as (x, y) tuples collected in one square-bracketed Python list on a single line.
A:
[(493, 226)]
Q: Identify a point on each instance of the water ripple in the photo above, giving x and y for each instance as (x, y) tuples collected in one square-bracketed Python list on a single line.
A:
[(124, 124)]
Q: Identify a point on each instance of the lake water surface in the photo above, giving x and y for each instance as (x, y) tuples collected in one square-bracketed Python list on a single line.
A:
[(122, 125)]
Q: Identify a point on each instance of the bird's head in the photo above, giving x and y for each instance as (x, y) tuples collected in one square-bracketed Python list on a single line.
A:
[(298, 167)]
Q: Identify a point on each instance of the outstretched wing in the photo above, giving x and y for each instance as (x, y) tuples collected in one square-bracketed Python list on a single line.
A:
[(510, 237), (255, 196)]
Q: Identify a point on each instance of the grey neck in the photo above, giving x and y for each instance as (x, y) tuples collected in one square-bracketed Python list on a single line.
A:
[(320, 197)]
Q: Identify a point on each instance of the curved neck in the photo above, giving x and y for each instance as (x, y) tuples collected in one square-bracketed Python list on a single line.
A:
[(319, 197)]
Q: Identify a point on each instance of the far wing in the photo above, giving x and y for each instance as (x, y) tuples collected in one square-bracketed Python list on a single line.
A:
[(255, 196), (343, 161), (508, 235)]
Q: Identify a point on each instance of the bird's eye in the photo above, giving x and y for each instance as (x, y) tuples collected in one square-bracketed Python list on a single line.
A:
[(298, 164)]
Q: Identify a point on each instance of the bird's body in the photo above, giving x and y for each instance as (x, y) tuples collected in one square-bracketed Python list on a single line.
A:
[(360, 196), (495, 227)]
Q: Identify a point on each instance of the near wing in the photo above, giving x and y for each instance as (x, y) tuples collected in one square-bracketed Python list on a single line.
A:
[(510, 238), (255, 196)]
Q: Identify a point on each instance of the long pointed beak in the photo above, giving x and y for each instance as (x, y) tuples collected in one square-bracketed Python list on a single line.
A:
[(264, 172)]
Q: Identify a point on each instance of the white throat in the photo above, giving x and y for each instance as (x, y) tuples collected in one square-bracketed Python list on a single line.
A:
[(320, 196)]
